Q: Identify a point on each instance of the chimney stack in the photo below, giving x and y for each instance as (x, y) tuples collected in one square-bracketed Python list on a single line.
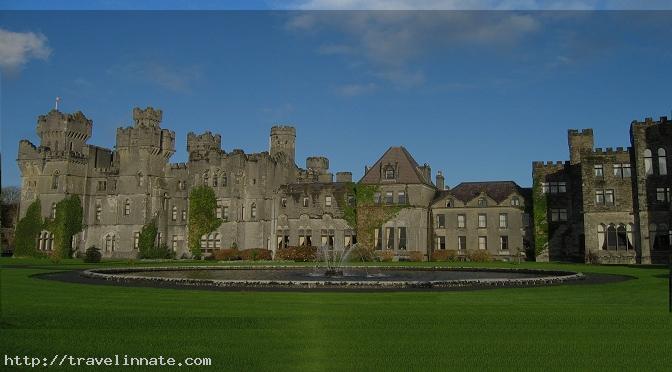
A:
[(440, 181)]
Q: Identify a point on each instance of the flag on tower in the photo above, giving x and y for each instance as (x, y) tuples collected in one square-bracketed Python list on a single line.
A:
[(58, 100)]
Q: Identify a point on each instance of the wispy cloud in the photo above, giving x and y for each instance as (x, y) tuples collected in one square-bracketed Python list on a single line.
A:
[(353, 90), (18, 48), (479, 5), (176, 79), (390, 42)]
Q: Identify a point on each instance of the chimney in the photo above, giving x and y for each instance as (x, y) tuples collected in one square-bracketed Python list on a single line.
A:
[(440, 181)]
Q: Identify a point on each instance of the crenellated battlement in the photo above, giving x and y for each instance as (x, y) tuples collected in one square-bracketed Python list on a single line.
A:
[(551, 165), (610, 151), (178, 166), (148, 117), (203, 143)]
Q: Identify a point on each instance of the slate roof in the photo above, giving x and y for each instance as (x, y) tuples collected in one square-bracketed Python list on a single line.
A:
[(407, 169), (497, 190)]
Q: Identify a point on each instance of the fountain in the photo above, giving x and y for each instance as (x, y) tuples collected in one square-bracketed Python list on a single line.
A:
[(332, 260)]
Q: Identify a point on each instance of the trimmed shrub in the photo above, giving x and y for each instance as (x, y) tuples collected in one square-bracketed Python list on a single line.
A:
[(202, 217), (385, 256), (416, 256), (479, 255), (147, 240), (444, 255), (256, 254), (67, 223), (298, 254), (230, 254), (92, 255)]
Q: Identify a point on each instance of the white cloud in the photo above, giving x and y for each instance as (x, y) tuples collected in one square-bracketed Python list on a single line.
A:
[(480, 4), (390, 42), (353, 90), (17, 48)]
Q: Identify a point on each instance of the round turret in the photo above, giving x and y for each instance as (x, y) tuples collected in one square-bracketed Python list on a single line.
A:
[(283, 139)]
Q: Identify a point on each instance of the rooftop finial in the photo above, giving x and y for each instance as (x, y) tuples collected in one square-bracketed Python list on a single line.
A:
[(58, 100)]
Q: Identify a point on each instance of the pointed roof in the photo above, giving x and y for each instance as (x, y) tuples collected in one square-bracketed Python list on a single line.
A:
[(407, 170), (497, 190)]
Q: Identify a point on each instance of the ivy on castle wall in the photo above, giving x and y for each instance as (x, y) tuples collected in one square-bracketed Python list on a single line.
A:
[(363, 214), (27, 231), (540, 205), (67, 223), (202, 217)]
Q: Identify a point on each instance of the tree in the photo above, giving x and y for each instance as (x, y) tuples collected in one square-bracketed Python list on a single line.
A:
[(28, 230), (147, 239), (67, 223), (202, 217), (10, 195)]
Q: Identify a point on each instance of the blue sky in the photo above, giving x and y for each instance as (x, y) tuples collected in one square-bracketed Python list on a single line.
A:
[(478, 95)]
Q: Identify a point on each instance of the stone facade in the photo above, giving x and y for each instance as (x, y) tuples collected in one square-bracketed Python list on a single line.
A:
[(265, 199), (610, 205)]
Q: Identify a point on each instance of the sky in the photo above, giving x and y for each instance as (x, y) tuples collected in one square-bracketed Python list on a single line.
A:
[(478, 95)]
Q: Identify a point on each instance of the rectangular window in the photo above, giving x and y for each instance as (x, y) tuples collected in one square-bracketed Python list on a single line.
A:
[(401, 197), (555, 187), (627, 171), (327, 201), (389, 197), (503, 220), (389, 237), (648, 165), (558, 215), (482, 242), (609, 197), (305, 202), (136, 240), (504, 243), (225, 212), (462, 243), (402, 237), (599, 170), (441, 242), (283, 202), (526, 220), (219, 211), (544, 187), (461, 221), (184, 215), (663, 194), (173, 215), (102, 185), (174, 243), (377, 238), (618, 170), (376, 198), (482, 221), (440, 221), (599, 197)]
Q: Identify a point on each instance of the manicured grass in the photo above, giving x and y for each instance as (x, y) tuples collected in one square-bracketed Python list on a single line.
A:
[(618, 326)]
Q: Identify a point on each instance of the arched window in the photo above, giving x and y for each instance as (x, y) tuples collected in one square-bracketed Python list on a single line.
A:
[(110, 242), (660, 237), (206, 178), (622, 238), (601, 238), (127, 207), (662, 161), (53, 210), (253, 211), (174, 213), (648, 162), (54, 181), (224, 179), (214, 179), (165, 201), (45, 241), (141, 180), (612, 244), (210, 242)]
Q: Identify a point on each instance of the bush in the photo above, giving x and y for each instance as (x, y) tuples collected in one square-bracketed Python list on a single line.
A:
[(444, 255), (479, 256), (92, 255), (385, 256), (256, 254), (416, 256), (298, 254), (230, 254), (27, 231)]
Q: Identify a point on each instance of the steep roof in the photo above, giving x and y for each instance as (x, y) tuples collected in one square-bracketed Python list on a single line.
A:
[(497, 190), (407, 169)]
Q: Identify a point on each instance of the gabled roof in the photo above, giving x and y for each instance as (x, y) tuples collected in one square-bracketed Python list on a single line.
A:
[(497, 190), (407, 170)]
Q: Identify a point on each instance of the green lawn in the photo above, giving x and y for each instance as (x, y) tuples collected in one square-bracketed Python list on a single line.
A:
[(619, 326)]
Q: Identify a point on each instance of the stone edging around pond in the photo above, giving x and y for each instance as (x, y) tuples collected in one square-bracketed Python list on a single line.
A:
[(552, 277)]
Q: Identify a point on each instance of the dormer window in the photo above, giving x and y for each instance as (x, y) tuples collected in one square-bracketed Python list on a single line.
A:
[(515, 201), (449, 203), (389, 173), (482, 202)]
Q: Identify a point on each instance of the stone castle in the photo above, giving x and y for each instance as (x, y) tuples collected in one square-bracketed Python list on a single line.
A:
[(266, 201)]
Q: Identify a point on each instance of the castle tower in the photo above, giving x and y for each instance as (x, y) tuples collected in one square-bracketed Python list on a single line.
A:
[(283, 139), (145, 148), (62, 132), (578, 142)]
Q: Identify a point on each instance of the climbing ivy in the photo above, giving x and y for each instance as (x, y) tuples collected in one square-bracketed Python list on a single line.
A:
[(540, 204), (202, 217), (27, 231), (67, 223)]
